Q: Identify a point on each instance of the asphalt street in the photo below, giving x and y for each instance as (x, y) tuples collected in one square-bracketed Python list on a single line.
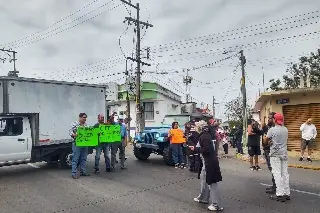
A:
[(148, 187)]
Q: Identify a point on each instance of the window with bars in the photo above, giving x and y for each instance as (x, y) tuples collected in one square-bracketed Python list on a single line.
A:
[(148, 110)]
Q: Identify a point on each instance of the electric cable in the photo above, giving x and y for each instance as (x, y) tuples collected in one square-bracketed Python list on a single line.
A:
[(40, 31), (31, 41)]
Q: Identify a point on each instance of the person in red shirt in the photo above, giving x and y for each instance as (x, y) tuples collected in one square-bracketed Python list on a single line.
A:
[(177, 138)]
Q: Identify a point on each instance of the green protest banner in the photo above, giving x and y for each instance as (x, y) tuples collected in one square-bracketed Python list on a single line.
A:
[(109, 133), (87, 136)]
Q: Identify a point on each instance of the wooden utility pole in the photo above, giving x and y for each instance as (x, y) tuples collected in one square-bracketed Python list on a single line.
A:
[(187, 81), (244, 98), (140, 121), (213, 107), (128, 86), (14, 72)]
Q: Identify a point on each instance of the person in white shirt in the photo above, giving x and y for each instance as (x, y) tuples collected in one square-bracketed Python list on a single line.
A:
[(309, 134)]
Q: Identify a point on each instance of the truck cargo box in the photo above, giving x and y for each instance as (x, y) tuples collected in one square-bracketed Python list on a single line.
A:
[(58, 104)]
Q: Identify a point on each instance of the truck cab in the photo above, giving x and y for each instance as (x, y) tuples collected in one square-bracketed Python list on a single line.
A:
[(21, 142), (15, 139)]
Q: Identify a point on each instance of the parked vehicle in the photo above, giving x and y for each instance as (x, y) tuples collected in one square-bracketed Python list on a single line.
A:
[(36, 117), (156, 141)]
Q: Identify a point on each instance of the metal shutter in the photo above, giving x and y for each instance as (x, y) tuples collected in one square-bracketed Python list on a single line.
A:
[(294, 116)]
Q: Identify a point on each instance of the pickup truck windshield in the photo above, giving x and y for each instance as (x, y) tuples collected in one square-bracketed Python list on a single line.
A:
[(168, 120)]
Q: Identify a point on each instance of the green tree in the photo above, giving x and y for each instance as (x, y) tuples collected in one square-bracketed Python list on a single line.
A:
[(307, 65), (275, 85), (233, 110)]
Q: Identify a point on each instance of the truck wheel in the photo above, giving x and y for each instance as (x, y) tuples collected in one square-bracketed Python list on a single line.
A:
[(142, 153), (167, 156), (66, 160)]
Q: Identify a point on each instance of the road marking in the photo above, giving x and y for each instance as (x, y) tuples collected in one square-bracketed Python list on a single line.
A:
[(296, 190), (34, 166)]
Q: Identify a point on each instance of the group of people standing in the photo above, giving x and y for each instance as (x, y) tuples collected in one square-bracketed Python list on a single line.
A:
[(274, 142), (79, 154)]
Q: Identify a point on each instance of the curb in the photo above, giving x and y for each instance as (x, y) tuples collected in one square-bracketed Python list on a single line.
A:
[(246, 158), (316, 168)]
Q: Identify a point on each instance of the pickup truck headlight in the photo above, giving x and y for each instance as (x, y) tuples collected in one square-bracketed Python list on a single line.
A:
[(157, 136)]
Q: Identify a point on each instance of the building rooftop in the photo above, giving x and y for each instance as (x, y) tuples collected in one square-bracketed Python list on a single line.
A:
[(268, 95)]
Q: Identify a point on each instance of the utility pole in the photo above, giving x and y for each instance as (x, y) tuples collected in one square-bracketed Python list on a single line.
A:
[(187, 81), (213, 107), (128, 86), (244, 98), (14, 72), (140, 121)]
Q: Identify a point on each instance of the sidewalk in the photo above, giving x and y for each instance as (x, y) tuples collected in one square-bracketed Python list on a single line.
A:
[(293, 160)]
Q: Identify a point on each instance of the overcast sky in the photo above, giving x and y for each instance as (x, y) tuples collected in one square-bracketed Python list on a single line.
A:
[(73, 41)]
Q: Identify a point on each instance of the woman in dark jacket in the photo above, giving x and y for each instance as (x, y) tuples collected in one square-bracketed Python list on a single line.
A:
[(193, 139), (210, 172)]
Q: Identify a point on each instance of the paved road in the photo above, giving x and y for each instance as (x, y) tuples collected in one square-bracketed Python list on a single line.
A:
[(147, 187)]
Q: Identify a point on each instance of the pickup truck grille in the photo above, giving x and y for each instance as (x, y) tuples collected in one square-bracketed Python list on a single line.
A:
[(149, 137)]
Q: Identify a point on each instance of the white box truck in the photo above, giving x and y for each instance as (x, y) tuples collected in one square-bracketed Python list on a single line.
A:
[(35, 117)]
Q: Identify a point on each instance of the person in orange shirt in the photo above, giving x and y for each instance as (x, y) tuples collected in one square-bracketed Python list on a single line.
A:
[(177, 138)]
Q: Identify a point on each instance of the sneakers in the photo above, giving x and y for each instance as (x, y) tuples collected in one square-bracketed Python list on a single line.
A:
[(215, 208), (308, 159), (182, 166), (176, 166), (255, 168), (258, 168), (96, 171), (279, 198), (200, 201), (287, 197), (270, 190)]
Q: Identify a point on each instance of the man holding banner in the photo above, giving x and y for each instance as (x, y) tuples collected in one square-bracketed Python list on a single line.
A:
[(119, 145), (79, 153), (102, 146)]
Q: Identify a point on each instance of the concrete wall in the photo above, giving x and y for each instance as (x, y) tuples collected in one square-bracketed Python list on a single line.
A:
[(162, 106), (295, 99)]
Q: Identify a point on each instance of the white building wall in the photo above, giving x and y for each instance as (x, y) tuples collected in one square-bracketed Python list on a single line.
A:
[(162, 106)]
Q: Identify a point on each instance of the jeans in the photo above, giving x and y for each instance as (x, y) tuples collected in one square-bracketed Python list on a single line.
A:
[(114, 149), (106, 151), (177, 154), (79, 156), (217, 146), (281, 175), (239, 146), (267, 157), (208, 193)]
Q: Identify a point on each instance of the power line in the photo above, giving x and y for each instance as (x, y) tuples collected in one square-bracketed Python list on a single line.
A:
[(252, 45), (239, 29), (87, 5), (31, 41), (231, 83), (86, 70), (197, 43)]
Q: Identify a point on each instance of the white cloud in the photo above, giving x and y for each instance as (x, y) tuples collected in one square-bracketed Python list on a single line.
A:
[(51, 51)]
